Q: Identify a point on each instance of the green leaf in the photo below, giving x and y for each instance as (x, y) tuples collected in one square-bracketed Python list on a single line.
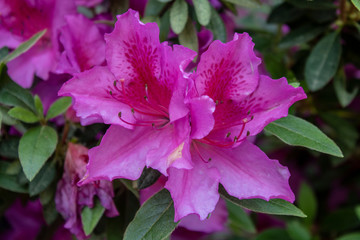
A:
[(313, 4), (43, 179), (298, 132), (49, 212), (274, 206), (239, 220), (91, 216), (284, 13), (58, 107), (323, 61), (340, 220), (154, 7), (148, 177), (245, 3), (307, 202), (23, 115), (300, 35), (297, 232), (178, 16), (203, 11), (9, 147), (273, 233), (3, 53), (350, 236), (155, 218), (344, 97), (24, 47), (9, 178), (39, 106), (12, 94), (165, 26), (127, 205), (6, 119), (35, 147), (9, 182), (217, 26), (188, 37), (356, 3)]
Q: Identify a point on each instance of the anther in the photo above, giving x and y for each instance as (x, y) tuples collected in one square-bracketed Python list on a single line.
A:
[(217, 102), (133, 111), (252, 117), (114, 83), (228, 134), (110, 92), (248, 133), (209, 160), (248, 113)]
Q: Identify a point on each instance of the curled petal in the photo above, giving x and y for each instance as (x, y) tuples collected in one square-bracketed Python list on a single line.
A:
[(202, 119), (93, 98)]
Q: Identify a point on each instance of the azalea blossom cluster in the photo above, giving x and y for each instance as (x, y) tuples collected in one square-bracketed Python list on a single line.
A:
[(190, 126), (189, 120)]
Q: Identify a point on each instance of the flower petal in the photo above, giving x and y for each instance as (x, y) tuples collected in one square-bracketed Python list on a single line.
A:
[(270, 101), (123, 153), (216, 221), (92, 99), (228, 71), (246, 172), (202, 119), (173, 149), (84, 46), (195, 190)]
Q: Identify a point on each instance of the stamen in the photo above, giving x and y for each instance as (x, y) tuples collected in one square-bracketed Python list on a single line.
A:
[(228, 134), (198, 152)]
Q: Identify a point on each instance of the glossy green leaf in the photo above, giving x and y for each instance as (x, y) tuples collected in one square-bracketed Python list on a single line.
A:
[(148, 177), (203, 11), (300, 35), (58, 107), (350, 236), (344, 97), (297, 231), (340, 220), (23, 115), (306, 201), (188, 37), (9, 147), (217, 26), (274, 206), (238, 219), (39, 106), (43, 179), (6, 119), (9, 178), (35, 147), (24, 46), (12, 94), (245, 3), (323, 61), (91, 216), (273, 234), (313, 4), (298, 132), (284, 13), (155, 218), (154, 7), (356, 3), (9, 182), (178, 16), (3, 53)]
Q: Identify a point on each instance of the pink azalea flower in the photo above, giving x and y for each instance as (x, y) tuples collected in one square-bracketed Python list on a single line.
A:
[(87, 3), (21, 19), (141, 89), (231, 101), (70, 198), (84, 45)]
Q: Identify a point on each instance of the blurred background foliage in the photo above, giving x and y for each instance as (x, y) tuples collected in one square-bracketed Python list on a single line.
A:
[(314, 44)]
